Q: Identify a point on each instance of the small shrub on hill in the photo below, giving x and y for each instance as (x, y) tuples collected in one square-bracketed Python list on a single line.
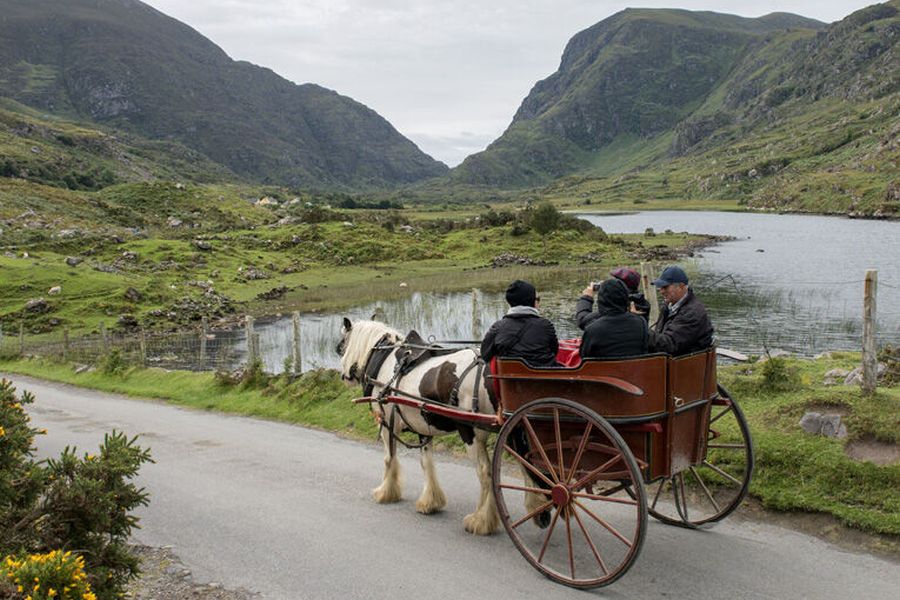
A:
[(779, 376)]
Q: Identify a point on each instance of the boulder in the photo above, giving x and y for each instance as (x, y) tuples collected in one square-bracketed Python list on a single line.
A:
[(828, 425), (73, 261), (173, 222), (133, 295), (202, 245), (811, 422), (37, 306), (835, 376), (127, 321)]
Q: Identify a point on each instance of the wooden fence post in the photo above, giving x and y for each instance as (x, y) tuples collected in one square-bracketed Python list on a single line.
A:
[(295, 344), (104, 339), (1, 336), (649, 292), (869, 345), (65, 353), (204, 330), (476, 317), (143, 348), (251, 350), (21, 339)]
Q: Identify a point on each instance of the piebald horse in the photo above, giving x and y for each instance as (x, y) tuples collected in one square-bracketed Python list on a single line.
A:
[(433, 378)]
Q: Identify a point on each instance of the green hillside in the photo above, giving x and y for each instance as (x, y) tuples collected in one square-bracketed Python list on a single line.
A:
[(777, 112), (127, 66)]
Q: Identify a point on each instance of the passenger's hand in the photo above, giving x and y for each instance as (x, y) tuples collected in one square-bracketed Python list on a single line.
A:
[(588, 291)]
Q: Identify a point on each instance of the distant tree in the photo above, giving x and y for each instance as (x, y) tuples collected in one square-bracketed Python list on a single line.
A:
[(545, 218)]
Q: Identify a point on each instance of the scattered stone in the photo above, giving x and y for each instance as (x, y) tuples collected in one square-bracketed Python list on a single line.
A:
[(214, 274), (202, 245), (179, 186), (828, 425), (752, 173), (823, 355), (252, 274), (79, 369), (347, 224), (133, 295), (835, 376), (760, 250), (55, 290), (407, 229), (874, 451), (37, 306), (128, 322), (73, 261), (274, 294), (128, 255), (287, 220), (105, 268), (855, 376), (403, 284), (267, 201), (67, 233), (173, 222), (509, 259)]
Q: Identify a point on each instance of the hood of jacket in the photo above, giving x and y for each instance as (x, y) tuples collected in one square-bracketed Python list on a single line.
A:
[(612, 298)]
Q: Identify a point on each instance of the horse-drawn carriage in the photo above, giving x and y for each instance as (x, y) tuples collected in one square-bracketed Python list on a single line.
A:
[(582, 454)]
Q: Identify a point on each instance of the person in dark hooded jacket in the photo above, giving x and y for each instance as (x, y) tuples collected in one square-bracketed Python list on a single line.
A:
[(584, 309), (522, 332), (616, 331)]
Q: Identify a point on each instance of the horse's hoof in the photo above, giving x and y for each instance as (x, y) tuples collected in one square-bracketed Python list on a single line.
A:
[(477, 525), (383, 496), (543, 519), (427, 508)]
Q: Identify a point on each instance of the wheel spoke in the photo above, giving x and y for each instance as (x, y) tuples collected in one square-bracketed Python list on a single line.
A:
[(705, 489), (662, 482), (581, 446), (549, 533), (706, 463), (605, 498), (540, 447), (593, 474), (684, 503), (591, 543), (724, 412), (559, 448), (528, 465), (606, 525), (533, 513), (522, 488), (569, 540)]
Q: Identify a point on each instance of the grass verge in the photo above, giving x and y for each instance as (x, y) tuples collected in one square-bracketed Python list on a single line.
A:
[(795, 471)]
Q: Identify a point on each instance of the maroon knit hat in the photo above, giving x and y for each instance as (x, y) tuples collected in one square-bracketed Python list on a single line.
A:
[(629, 277)]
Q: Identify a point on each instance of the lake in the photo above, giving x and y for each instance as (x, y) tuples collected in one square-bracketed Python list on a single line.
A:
[(792, 282)]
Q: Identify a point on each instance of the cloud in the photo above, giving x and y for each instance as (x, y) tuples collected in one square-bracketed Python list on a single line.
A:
[(446, 74)]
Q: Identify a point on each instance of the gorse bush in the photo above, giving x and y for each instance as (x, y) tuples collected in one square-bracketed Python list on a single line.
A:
[(81, 502), (56, 575), (778, 375)]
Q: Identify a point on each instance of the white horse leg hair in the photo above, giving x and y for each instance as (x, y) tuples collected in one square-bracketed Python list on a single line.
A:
[(485, 520), (432, 499), (390, 489)]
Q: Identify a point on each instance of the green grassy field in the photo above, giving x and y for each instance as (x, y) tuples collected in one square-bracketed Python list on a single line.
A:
[(796, 472)]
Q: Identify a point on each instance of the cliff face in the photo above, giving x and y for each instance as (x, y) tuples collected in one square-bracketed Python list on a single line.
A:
[(125, 65)]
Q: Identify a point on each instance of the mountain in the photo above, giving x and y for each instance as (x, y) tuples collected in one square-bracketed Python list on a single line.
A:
[(778, 112), (124, 65)]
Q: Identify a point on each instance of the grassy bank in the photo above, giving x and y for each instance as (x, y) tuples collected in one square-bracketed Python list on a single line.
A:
[(795, 471)]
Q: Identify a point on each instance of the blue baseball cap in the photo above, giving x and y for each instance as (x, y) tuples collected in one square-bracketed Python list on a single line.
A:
[(671, 275)]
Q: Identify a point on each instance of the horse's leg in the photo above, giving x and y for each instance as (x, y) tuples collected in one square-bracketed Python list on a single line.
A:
[(485, 520), (390, 489), (432, 499), (533, 500)]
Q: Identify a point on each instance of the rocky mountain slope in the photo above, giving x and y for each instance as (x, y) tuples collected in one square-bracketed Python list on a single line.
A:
[(662, 103), (122, 64)]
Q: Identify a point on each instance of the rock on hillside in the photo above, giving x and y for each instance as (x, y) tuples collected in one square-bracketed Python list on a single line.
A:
[(126, 65)]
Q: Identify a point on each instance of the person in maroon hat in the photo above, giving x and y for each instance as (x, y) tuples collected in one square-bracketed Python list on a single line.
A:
[(638, 304)]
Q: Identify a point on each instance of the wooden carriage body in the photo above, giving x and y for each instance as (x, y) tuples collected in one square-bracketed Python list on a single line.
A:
[(658, 404)]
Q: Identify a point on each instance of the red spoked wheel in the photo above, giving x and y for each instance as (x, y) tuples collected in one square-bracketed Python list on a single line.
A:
[(569, 492), (707, 493)]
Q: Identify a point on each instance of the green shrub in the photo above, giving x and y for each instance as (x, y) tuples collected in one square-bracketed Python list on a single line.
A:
[(778, 375), (545, 218), (113, 363)]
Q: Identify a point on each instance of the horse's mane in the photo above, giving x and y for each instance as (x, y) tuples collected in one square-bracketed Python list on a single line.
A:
[(363, 337)]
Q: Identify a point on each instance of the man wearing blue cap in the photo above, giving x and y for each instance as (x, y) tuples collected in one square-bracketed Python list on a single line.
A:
[(683, 326)]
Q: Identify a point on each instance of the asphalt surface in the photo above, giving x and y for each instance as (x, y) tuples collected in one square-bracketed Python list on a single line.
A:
[(286, 511)]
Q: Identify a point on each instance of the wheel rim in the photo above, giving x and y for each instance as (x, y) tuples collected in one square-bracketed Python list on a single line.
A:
[(582, 476), (706, 493)]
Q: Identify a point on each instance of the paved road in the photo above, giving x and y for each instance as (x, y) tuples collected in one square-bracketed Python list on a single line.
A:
[(286, 511)]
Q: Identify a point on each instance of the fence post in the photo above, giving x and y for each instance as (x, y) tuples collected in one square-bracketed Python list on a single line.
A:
[(21, 339), (1, 336), (204, 330), (476, 318), (869, 346), (104, 339), (650, 291), (295, 344), (143, 342), (65, 344), (251, 350)]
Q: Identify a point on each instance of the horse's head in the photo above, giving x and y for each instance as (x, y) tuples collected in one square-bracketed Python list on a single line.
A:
[(357, 341)]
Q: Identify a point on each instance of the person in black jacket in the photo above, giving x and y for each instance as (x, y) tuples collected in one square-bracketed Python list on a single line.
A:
[(616, 331), (683, 326), (584, 309), (522, 332)]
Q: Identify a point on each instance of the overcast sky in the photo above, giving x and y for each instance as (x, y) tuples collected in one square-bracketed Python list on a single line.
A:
[(448, 74)]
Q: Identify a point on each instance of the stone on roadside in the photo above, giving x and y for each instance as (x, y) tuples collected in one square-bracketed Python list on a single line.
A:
[(835, 376), (73, 261)]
